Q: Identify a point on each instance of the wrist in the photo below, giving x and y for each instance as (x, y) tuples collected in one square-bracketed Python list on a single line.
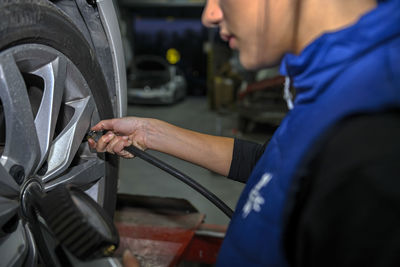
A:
[(153, 132)]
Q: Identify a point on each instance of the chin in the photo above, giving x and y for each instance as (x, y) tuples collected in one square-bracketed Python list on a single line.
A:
[(251, 62)]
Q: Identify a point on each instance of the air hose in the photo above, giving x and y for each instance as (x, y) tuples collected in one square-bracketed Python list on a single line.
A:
[(182, 177), (174, 172)]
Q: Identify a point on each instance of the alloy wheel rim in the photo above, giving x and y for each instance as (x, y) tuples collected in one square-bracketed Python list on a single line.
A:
[(46, 108)]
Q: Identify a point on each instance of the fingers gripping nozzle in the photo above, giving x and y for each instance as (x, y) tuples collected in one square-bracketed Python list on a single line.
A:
[(95, 135)]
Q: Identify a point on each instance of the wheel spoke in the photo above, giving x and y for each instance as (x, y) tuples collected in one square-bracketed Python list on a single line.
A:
[(22, 145), (53, 75), (64, 148), (8, 187), (83, 174), (31, 258), (14, 247), (8, 211)]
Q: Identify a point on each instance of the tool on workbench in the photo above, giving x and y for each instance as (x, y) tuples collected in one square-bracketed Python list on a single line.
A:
[(96, 135)]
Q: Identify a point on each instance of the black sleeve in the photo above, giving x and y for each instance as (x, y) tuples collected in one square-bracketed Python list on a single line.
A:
[(244, 158), (348, 209)]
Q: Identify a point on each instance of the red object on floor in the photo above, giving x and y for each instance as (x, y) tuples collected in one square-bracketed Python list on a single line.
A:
[(156, 246), (164, 236), (203, 248)]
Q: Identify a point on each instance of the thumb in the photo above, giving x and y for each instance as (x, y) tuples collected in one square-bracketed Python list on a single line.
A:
[(128, 260)]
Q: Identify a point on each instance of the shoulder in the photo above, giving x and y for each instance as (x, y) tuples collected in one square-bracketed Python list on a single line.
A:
[(361, 137), (349, 195)]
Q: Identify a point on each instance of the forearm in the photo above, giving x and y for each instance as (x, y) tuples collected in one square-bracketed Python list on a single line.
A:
[(211, 152)]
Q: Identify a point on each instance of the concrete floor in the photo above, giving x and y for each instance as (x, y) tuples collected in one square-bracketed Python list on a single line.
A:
[(138, 177)]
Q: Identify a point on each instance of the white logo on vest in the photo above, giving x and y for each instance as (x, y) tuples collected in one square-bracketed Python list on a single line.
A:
[(255, 199)]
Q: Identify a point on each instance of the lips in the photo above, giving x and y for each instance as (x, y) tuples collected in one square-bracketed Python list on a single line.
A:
[(225, 37), (229, 38)]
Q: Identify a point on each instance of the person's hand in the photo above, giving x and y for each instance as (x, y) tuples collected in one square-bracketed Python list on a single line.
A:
[(121, 133), (128, 260)]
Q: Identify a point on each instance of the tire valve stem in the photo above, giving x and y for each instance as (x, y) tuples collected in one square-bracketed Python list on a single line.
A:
[(95, 135)]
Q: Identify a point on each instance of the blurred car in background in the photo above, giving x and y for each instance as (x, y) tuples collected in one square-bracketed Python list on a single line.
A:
[(154, 81)]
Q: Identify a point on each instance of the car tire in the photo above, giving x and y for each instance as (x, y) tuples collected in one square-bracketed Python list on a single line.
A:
[(41, 23)]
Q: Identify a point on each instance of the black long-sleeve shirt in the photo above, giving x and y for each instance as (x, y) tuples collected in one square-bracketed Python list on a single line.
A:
[(344, 210), (245, 157)]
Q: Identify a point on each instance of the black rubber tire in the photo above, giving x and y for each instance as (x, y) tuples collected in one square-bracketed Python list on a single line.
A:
[(41, 22)]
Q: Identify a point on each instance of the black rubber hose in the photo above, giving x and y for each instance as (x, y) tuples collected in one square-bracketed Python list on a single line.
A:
[(181, 176)]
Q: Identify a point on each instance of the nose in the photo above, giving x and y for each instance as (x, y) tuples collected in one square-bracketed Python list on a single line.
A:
[(212, 14)]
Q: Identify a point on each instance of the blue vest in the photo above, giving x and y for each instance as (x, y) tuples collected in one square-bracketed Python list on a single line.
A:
[(355, 70)]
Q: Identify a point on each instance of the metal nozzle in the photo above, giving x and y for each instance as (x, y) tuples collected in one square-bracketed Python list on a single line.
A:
[(95, 135)]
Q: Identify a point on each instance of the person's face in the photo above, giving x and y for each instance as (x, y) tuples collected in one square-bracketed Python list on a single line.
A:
[(262, 30)]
